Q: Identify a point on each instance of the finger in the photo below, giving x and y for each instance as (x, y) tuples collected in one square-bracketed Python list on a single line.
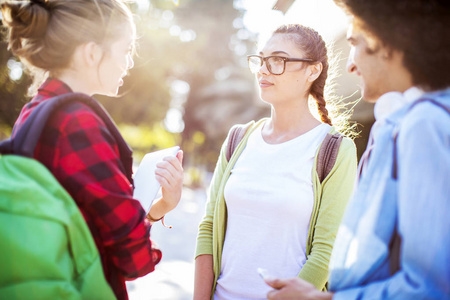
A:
[(166, 172), (168, 187), (271, 295), (180, 155), (172, 166), (169, 173), (173, 161), (162, 181), (276, 283)]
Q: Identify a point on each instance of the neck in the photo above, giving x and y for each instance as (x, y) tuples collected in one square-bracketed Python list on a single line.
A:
[(288, 122), (75, 83)]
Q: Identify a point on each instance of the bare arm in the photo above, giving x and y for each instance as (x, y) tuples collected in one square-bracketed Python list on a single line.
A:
[(204, 277), (295, 288)]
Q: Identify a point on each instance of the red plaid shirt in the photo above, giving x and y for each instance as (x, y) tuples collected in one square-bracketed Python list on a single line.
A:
[(78, 149)]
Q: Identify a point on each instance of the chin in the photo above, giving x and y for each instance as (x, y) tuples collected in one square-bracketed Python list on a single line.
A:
[(113, 93), (266, 98), (369, 97)]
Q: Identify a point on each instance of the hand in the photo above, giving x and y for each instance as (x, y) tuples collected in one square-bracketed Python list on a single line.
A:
[(169, 173), (294, 288)]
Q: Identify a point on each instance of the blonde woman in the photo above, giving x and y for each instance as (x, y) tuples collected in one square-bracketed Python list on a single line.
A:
[(86, 47)]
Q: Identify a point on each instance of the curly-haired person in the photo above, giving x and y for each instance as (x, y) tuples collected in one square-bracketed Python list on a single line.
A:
[(394, 238)]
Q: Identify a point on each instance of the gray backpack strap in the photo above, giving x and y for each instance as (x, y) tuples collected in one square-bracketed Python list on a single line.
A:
[(235, 136), (328, 154), (325, 159)]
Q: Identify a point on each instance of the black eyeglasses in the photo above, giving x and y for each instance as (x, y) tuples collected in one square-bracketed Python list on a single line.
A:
[(275, 64)]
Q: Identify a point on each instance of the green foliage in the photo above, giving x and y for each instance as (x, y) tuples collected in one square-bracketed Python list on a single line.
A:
[(5, 131), (13, 94), (188, 40), (144, 139), (194, 177)]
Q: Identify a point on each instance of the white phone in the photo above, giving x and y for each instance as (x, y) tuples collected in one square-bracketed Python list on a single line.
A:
[(146, 187), (264, 273)]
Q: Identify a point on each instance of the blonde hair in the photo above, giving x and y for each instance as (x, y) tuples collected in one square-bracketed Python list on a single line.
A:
[(334, 110), (45, 33)]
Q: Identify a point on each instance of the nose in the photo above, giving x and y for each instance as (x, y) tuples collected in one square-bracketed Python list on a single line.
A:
[(263, 69), (130, 62), (351, 67)]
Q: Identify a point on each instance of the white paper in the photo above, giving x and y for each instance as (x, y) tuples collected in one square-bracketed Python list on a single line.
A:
[(146, 187)]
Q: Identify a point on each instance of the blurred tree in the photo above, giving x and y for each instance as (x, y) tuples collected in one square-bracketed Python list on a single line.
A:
[(13, 88), (203, 44), (214, 64), (199, 42)]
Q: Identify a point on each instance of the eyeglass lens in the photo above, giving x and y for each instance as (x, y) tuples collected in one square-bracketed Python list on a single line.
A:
[(274, 64)]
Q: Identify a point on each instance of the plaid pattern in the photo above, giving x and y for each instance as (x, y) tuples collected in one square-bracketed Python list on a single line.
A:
[(78, 149)]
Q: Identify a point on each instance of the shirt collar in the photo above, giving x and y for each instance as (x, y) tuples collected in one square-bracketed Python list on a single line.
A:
[(52, 87), (392, 101)]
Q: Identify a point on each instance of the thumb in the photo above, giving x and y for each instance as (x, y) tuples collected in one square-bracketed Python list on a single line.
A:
[(180, 155), (276, 283)]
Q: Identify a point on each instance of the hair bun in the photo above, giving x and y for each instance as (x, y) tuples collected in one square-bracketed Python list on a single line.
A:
[(42, 3)]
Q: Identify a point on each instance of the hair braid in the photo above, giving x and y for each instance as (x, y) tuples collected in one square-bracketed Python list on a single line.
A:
[(321, 106)]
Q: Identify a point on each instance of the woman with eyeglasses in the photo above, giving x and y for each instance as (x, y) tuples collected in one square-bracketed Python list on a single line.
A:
[(267, 207)]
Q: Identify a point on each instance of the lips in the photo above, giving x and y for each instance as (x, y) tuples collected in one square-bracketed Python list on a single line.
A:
[(265, 83), (121, 79)]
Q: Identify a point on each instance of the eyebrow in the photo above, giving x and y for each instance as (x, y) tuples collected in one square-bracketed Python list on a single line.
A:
[(276, 52)]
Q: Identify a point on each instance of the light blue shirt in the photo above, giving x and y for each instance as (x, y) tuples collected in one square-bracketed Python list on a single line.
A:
[(417, 205)]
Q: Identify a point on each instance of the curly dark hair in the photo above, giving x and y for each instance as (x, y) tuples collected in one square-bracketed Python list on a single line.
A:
[(418, 28)]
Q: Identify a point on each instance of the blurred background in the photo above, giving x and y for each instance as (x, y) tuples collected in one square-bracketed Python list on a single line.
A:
[(190, 84)]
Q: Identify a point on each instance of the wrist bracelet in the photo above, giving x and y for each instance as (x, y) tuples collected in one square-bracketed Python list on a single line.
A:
[(149, 217)]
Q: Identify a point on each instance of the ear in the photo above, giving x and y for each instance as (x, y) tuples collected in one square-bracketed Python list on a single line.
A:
[(314, 71), (386, 52), (90, 54)]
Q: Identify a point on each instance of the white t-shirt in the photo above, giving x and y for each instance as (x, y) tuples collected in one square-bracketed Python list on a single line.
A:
[(269, 198)]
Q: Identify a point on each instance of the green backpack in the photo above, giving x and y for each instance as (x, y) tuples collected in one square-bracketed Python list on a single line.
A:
[(46, 248)]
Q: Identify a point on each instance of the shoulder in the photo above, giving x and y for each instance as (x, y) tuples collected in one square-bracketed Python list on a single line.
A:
[(244, 127), (78, 114), (347, 145), (347, 152), (77, 121), (425, 119), (238, 133), (428, 111)]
